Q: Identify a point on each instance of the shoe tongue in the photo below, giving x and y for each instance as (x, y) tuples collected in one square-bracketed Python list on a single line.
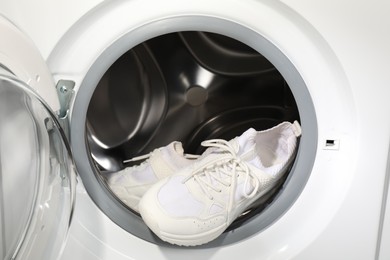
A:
[(177, 147), (246, 141), (247, 149)]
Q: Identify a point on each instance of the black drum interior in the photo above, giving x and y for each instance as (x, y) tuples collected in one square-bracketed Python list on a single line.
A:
[(188, 86)]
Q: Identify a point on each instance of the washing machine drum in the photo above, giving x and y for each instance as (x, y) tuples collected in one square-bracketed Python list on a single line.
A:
[(36, 175), (186, 86)]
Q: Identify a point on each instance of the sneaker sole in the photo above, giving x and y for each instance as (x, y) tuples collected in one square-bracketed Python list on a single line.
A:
[(182, 240)]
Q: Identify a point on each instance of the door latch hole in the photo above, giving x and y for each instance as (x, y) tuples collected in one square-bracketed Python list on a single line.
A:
[(332, 144)]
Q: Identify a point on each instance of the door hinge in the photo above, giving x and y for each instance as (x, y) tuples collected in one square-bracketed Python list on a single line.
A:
[(65, 92)]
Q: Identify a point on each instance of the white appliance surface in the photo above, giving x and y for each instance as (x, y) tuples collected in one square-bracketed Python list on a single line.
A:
[(340, 49)]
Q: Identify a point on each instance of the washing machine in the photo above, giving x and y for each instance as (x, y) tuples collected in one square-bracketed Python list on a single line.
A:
[(85, 86)]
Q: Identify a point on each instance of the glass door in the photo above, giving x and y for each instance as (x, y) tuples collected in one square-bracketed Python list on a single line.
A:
[(37, 176)]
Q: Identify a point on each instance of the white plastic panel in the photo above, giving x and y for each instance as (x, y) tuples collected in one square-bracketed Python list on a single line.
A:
[(60, 14), (37, 179), (20, 55)]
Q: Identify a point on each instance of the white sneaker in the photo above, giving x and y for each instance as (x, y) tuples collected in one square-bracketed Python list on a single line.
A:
[(197, 204), (130, 184)]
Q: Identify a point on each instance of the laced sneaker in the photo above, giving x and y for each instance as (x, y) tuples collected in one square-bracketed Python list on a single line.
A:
[(197, 204), (130, 184)]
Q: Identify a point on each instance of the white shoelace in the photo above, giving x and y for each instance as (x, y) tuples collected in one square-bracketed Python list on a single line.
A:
[(138, 158), (224, 171), (144, 158)]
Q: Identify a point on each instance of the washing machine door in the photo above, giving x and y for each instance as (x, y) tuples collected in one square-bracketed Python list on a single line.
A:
[(37, 178)]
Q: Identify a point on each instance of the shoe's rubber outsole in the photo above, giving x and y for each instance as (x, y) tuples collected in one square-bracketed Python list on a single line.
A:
[(181, 240)]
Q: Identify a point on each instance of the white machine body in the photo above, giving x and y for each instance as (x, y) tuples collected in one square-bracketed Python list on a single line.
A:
[(339, 49)]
